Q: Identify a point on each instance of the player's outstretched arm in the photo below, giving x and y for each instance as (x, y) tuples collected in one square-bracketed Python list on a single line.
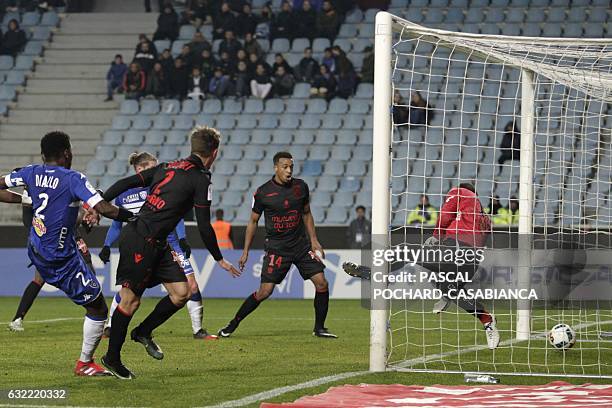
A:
[(110, 211), (248, 238), (207, 233), (317, 248), (142, 179), (10, 197)]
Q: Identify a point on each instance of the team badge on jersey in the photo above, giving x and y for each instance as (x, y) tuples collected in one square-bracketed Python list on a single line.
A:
[(143, 194), (39, 226)]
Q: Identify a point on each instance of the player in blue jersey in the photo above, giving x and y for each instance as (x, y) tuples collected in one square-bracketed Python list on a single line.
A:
[(56, 193), (132, 200)]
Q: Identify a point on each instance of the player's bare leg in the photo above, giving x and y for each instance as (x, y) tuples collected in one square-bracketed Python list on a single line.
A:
[(27, 299), (109, 321), (130, 302), (92, 333), (248, 306), (178, 295), (321, 305), (196, 311)]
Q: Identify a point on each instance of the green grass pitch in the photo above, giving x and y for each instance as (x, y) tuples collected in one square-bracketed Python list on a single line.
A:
[(273, 348)]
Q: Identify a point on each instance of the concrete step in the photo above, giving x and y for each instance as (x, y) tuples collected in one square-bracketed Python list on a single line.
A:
[(66, 86), (12, 132), (68, 71), (86, 56), (54, 101), (61, 117), (26, 147), (8, 163), (94, 41)]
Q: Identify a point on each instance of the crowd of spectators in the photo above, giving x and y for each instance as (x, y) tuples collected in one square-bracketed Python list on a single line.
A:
[(15, 6), (239, 68)]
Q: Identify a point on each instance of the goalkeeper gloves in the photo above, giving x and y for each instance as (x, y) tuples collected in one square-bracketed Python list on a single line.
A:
[(185, 247), (105, 254)]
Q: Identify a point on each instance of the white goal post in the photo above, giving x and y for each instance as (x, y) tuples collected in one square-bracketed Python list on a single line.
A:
[(558, 94)]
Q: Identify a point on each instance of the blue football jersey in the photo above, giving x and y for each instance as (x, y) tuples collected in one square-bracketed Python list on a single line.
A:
[(56, 194)]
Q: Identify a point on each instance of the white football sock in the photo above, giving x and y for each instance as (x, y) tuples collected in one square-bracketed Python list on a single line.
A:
[(196, 312), (92, 333), (114, 304)]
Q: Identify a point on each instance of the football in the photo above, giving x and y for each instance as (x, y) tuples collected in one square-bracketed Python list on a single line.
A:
[(562, 337)]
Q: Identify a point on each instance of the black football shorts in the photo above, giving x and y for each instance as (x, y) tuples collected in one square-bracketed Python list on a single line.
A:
[(276, 264), (145, 263)]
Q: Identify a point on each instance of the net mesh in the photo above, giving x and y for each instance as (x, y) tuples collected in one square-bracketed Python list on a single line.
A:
[(457, 118)]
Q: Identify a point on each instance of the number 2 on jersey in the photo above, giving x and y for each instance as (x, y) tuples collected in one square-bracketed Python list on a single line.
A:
[(45, 200), (166, 180)]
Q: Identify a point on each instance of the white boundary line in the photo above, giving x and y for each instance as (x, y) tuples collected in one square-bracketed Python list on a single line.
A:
[(59, 319), (251, 399)]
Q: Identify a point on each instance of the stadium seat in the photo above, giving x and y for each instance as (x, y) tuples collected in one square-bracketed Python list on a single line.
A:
[(225, 122), (231, 199), (337, 215), (339, 106), (268, 122), (129, 107), (515, 15), (168, 107), (162, 122), (232, 106), (6, 62), (365, 90), (254, 152), (190, 107), (119, 122), (260, 137), (353, 122), (246, 168), (327, 183), (116, 168), (366, 30), (112, 138), (154, 137), (304, 137), (316, 106), (350, 184), (434, 16), (289, 121), (454, 15), (318, 153), (312, 168), (310, 122), (598, 15), (331, 122), (11, 15), (183, 122), (274, 106), (280, 45), (246, 122), (301, 90), (24, 62), (212, 106), (15, 78), (282, 137), (41, 33), (133, 138), (334, 168), (50, 19), (30, 19), (340, 153), (320, 44), (176, 137), (360, 107), (346, 137), (243, 214), (360, 44), (347, 31), (253, 106), (161, 45), (318, 213), (572, 30), (356, 168), (149, 107), (186, 32), (205, 119), (299, 44), (241, 137), (96, 168), (325, 137), (105, 153), (168, 153)]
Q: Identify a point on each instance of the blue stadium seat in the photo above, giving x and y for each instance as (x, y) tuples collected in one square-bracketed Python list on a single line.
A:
[(311, 168), (531, 30), (96, 168), (50, 19), (129, 107), (116, 168), (363, 153), (246, 168), (360, 44), (551, 30), (11, 15), (301, 90), (6, 62), (337, 215), (572, 30), (360, 107), (332, 122), (365, 90), (162, 122), (274, 106), (282, 137), (304, 137), (595, 30), (30, 19), (346, 137), (15, 78), (268, 122), (24, 62), (231, 199), (149, 107), (354, 16), (325, 137), (225, 122), (161, 45), (289, 121), (112, 138), (345, 44), (316, 106), (190, 107), (340, 153), (318, 213), (253, 106), (41, 33), (186, 32), (280, 45), (246, 122), (334, 168), (119, 122), (265, 44), (366, 30), (434, 16), (327, 183), (183, 122), (339, 106), (353, 122), (168, 107), (133, 138), (348, 31), (322, 198), (350, 184), (320, 44), (515, 15), (105, 153), (168, 153), (310, 121), (318, 153), (232, 106), (241, 137), (154, 137), (206, 119), (176, 137), (225, 167), (243, 215), (254, 152), (261, 137), (212, 106), (299, 44)]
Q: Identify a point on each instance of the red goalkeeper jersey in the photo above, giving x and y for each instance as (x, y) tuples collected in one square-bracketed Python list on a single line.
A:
[(462, 218)]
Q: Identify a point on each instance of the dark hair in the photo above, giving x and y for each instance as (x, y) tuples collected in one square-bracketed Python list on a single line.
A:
[(468, 186), (136, 159), (53, 144), (281, 155), (307, 49), (219, 213), (360, 207), (118, 56), (205, 140)]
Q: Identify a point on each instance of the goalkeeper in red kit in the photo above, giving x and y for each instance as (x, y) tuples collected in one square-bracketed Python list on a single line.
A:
[(462, 224)]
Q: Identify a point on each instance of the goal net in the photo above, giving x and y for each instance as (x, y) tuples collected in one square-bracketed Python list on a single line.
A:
[(527, 121)]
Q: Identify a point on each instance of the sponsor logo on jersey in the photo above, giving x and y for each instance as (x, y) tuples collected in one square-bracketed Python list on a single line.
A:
[(143, 194), (86, 297), (39, 227), (138, 257)]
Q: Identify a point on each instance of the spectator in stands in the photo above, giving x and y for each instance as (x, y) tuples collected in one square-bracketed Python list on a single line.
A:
[(198, 13), (251, 45), (308, 67), (324, 84), (510, 214), (264, 23), (134, 82), (341, 61), (147, 4), (246, 22), (179, 80), (305, 20), (197, 45), (314, 4), (493, 210), (419, 110), (400, 110), (220, 84), (197, 85), (223, 21), (187, 57), (346, 82), (167, 24), (230, 45), (327, 22), (423, 214), (367, 66), (167, 63), (511, 144), (14, 39), (280, 61), (157, 82), (284, 24), (223, 231), (236, 5), (143, 39), (114, 77), (261, 84), (328, 60), (145, 58), (227, 64), (242, 80), (359, 230), (208, 64), (283, 82), (241, 56)]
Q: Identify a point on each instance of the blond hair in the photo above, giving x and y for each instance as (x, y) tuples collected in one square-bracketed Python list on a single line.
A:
[(204, 140), (136, 159)]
